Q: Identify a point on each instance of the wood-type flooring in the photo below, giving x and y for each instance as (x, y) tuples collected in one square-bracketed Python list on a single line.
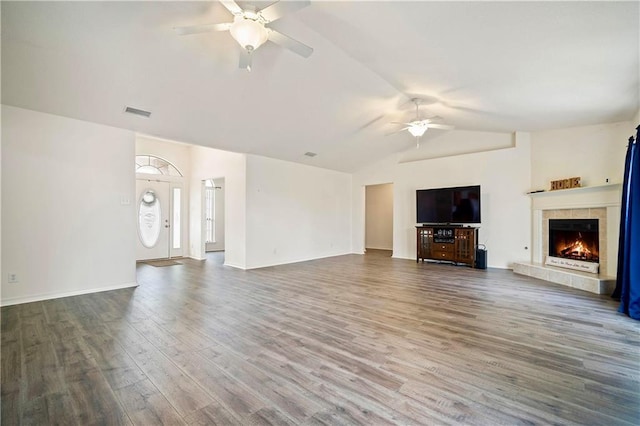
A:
[(338, 341)]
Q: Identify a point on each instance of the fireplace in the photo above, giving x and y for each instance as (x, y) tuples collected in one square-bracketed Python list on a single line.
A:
[(597, 202), (575, 239), (574, 243)]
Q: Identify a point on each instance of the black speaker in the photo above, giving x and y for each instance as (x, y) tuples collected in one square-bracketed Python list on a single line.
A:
[(481, 257)]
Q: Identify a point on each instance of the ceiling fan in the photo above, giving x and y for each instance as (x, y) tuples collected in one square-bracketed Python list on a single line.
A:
[(419, 126), (251, 28)]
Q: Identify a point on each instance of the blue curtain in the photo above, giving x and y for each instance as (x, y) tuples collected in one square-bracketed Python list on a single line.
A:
[(628, 278)]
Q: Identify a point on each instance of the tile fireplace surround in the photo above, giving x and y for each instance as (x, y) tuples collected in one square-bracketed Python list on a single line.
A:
[(596, 202)]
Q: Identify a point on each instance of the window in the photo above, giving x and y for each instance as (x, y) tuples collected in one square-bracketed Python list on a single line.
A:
[(153, 165), (177, 203), (149, 215)]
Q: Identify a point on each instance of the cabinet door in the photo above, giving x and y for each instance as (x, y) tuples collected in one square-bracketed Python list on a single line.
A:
[(425, 243), (465, 246)]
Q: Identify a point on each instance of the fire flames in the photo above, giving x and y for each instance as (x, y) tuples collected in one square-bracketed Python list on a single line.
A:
[(578, 250)]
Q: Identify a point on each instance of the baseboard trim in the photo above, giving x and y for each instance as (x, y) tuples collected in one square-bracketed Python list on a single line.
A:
[(49, 296), (231, 265)]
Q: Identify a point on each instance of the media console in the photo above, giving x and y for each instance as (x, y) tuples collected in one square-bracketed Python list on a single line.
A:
[(450, 243)]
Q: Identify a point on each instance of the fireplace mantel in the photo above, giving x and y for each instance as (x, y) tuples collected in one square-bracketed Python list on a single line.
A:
[(602, 202), (583, 197)]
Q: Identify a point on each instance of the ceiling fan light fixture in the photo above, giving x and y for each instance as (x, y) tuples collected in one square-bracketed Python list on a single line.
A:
[(418, 129), (248, 33)]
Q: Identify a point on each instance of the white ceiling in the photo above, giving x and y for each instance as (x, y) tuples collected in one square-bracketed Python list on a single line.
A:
[(488, 66)]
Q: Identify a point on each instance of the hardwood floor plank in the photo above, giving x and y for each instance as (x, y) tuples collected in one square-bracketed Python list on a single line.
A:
[(282, 395), (41, 371), (11, 410), (344, 340), (60, 409), (238, 399), (145, 405), (34, 411), (11, 371), (182, 392), (118, 368), (94, 402), (268, 417), (213, 414)]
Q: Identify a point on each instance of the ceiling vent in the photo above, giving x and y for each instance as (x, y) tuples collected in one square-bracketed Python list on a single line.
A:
[(137, 111), (310, 154)]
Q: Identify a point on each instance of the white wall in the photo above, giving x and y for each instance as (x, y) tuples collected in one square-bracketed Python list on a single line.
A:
[(379, 217), (595, 153), (205, 164), (504, 175), (68, 213), (295, 212)]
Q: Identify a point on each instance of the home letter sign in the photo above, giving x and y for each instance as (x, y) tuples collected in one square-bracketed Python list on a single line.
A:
[(573, 182)]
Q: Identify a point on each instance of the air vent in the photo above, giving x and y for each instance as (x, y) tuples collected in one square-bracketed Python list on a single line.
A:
[(137, 111), (310, 154)]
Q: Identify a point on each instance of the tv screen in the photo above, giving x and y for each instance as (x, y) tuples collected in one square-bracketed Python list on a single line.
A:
[(448, 205)]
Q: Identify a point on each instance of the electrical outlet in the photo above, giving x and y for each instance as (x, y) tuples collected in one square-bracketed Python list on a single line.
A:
[(13, 278)]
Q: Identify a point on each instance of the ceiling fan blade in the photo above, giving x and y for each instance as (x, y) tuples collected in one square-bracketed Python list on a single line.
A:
[(281, 8), (196, 29), (245, 60), (370, 122), (397, 131), (232, 7), (398, 122), (440, 126), (291, 44)]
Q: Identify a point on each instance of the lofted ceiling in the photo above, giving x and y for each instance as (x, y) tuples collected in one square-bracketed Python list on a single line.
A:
[(482, 66)]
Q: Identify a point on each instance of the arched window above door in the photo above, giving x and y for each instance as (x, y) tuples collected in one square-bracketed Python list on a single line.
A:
[(150, 164)]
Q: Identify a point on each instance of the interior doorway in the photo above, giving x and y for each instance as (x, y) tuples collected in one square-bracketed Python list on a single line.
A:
[(379, 217), (213, 220)]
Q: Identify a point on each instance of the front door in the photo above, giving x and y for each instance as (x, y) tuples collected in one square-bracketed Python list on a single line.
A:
[(153, 220)]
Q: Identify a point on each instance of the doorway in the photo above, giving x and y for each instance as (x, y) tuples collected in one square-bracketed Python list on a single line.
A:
[(159, 221), (213, 218), (379, 217)]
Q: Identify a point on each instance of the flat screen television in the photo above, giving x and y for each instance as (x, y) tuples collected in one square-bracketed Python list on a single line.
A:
[(459, 205)]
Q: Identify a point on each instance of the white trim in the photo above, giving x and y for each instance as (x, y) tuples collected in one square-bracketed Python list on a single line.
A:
[(579, 189), (49, 296), (578, 198), (236, 266)]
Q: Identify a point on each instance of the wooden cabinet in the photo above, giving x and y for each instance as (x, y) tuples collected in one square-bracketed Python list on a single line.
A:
[(447, 243)]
